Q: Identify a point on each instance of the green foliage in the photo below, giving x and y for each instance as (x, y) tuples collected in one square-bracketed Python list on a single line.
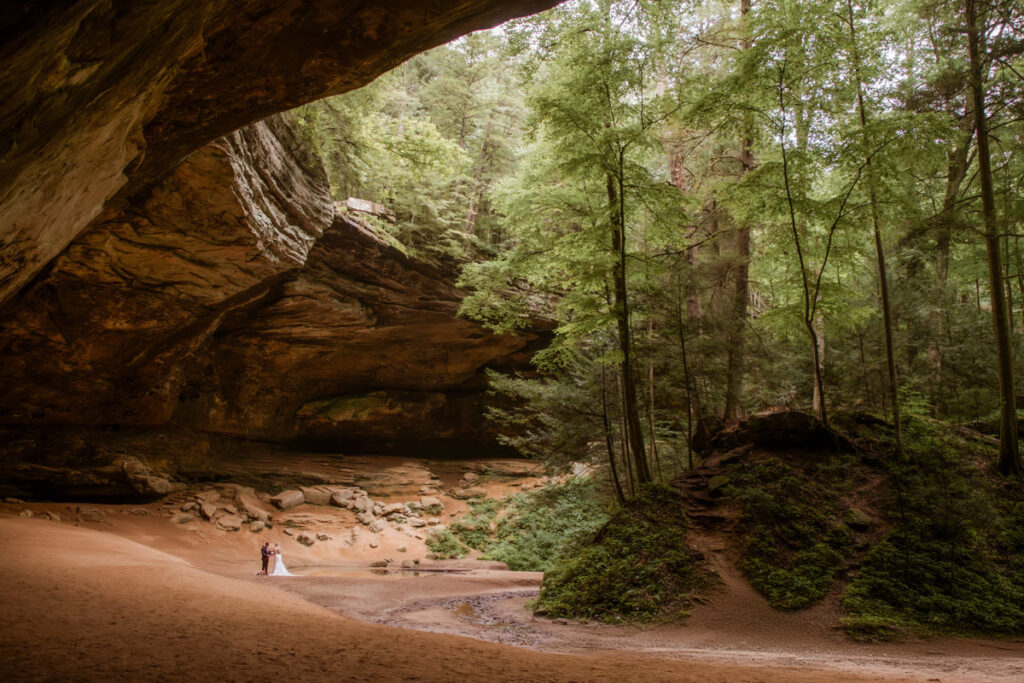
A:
[(443, 545), (542, 525), (953, 560), (793, 533), (636, 568), (473, 528)]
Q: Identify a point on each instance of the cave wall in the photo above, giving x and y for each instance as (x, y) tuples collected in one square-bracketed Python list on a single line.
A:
[(235, 298), (100, 99)]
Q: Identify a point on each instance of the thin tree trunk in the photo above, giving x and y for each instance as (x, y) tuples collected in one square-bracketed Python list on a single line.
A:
[(634, 432), (608, 440), (686, 381), (810, 299), (1009, 456)]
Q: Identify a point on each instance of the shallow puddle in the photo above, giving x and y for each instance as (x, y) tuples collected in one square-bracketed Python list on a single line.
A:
[(355, 572)]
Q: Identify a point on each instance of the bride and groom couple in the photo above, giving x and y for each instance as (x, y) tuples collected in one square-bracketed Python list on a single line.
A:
[(279, 569)]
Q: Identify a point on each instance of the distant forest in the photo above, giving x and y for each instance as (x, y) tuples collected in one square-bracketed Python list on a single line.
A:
[(725, 207)]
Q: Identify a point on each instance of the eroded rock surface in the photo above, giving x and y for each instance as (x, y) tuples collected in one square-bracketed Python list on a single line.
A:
[(235, 301), (101, 98)]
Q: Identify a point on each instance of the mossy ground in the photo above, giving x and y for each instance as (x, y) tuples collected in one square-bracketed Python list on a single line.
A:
[(945, 554), (636, 568), (953, 558), (792, 530)]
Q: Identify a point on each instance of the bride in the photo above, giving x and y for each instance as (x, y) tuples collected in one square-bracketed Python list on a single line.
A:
[(279, 568)]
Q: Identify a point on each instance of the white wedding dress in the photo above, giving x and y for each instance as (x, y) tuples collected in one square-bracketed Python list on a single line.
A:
[(279, 568)]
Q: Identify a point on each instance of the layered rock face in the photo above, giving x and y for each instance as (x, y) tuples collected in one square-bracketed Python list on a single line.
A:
[(101, 98), (234, 300)]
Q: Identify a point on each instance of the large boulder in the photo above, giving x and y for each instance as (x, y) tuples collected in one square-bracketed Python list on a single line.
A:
[(288, 499), (782, 430), (317, 495)]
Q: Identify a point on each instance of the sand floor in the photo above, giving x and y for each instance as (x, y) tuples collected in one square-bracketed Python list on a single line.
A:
[(141, 599)]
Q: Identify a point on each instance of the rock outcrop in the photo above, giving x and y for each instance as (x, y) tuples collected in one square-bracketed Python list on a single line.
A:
[(101, 99), (235, 301)]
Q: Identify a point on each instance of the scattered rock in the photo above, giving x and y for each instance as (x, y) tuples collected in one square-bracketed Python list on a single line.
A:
[(858, 519), (251, 506), (182, 518), (378, 509), (289, 532), (431, 501), (305, 540), (466, 493), (416, 522), (471, 477), (141, 478), (288, 499), (382, 563), (323, 537), (52, 516), (14, 501), (230, 522), (374, 544), (400, 549), (208, 510), (91, 515), (257, 526), (392, 508), (189, 507), (378, 526), (230, 509), (718, 482), (209, 496), (363, 504), (366, 518), (27, 514), (342, 497)]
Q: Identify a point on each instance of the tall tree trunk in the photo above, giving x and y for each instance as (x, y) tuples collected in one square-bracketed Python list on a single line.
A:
[(955, 173), (883, 277), (741, 283), (634, 431), (1009, 456), (476, 194)]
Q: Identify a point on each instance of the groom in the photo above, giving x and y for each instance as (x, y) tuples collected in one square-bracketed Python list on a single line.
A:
[(267, 552)]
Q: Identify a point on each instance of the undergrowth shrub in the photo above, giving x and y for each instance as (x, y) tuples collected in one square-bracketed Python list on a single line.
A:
[(473, 528), (444, 546), (542, 524), (637, 566)]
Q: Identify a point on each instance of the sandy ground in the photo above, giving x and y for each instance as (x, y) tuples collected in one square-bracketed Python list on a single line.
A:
[(80, 604), (132, 596)]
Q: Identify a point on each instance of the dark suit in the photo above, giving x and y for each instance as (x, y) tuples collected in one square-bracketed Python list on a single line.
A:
[(267, 552)]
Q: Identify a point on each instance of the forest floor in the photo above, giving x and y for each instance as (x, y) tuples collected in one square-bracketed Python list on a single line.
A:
[(128, 594)]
